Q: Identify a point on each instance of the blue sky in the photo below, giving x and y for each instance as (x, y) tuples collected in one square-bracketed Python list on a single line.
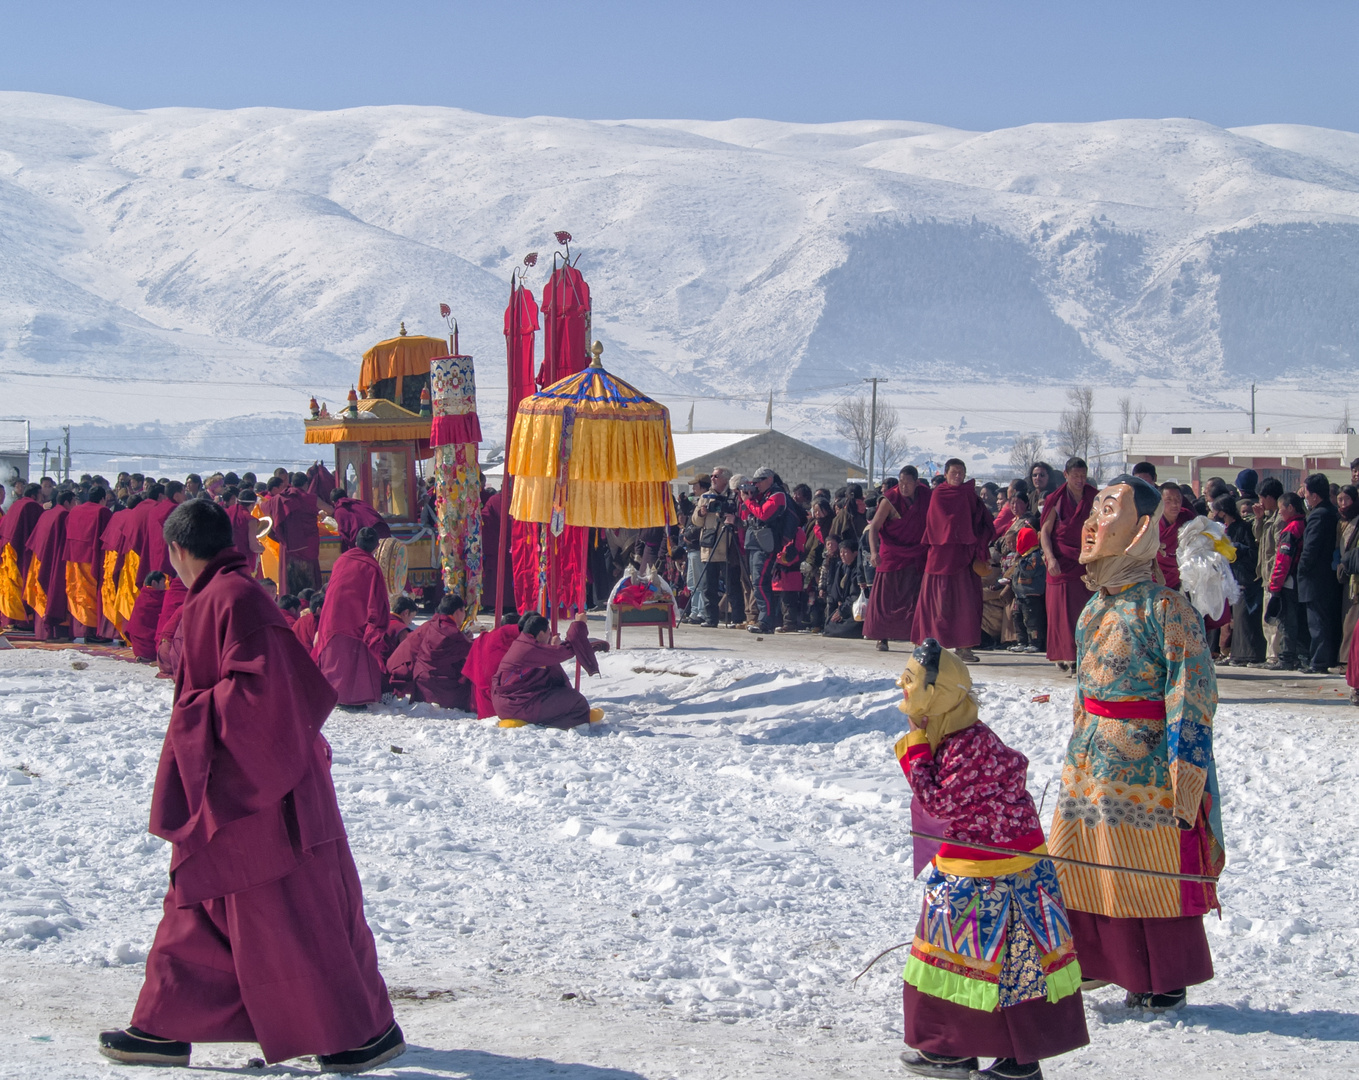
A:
[(965, 64)]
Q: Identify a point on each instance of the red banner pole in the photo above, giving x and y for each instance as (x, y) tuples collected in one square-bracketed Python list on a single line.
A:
[(511, 407)]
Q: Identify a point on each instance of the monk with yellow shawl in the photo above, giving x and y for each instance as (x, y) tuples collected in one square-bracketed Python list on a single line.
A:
[(84, 555), (15, 528)]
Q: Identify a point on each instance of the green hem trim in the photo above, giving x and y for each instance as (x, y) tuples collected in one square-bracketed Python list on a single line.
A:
[(1064, 981), (949, 985)]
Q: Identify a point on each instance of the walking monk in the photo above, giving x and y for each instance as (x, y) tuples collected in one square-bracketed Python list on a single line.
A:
[(1139, 788), (45, 585), (958, 532), (351, 515), (1064, 515), (85, 563), (353, 620), (15, 528), (262, 938)]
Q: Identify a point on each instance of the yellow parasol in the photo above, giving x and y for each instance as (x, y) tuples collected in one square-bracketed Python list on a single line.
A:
[(591, 450)]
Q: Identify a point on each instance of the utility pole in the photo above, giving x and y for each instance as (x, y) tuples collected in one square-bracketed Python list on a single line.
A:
[(67, 439), (873, 427), (44, 458), (1252, 408)]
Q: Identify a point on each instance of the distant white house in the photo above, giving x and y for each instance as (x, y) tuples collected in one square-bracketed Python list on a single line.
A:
[(1189, 458)]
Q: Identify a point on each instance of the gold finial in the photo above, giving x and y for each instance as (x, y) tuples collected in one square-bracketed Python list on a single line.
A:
[(403, 328), (596, 350)]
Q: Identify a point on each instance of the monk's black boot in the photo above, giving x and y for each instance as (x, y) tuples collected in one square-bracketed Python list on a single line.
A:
[(132, 1046), (923, 1064), (391, 1043)]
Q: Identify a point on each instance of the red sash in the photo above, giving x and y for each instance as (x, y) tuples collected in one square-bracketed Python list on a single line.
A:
[(1126, 710)]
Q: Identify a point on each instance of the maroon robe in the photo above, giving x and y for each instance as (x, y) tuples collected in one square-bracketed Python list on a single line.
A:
[(47, 543), (958, 532), (299, 540), (901, 565), (156, 548), (167, 626), (262, 937), (428, 664), (530, 684), (351, 515), (320, 481), (15, 528), (140, 628), (112, 541), (305, 629), (85, 528), (1066, 595), (1168, 555), (483, 661), (244, 526), (354, 618), (137, 539)]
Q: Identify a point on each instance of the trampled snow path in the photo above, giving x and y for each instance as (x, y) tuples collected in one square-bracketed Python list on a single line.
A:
[(730, 848)]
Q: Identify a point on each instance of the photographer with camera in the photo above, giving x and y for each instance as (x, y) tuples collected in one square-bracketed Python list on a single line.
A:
[(764, 512), (715, 518)]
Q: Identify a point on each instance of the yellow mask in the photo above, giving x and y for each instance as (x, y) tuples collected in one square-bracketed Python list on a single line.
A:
[(937, 691)]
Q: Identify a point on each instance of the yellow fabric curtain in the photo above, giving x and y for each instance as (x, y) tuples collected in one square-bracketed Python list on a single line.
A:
[(598, 504)]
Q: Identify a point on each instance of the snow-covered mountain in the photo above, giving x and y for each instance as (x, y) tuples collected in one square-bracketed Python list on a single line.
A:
[(221, 250)]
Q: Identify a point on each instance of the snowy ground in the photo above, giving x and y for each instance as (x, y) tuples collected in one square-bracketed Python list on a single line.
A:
[(686, 892)]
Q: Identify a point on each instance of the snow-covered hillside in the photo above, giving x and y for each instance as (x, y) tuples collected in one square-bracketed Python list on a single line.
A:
[(223, 250)]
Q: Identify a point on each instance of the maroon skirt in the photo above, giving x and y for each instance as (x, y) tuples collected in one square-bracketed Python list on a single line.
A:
[(891, 604), (1146, 956), (1026, 1032), (949, 610), (1066, 598)]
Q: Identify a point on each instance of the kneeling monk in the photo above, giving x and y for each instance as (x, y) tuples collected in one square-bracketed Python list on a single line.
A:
[(992, 971), (428, 662), (263, 937), (1139, 788), (530, 686)]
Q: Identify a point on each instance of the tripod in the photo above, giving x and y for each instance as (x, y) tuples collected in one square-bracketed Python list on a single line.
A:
[(724, 529)]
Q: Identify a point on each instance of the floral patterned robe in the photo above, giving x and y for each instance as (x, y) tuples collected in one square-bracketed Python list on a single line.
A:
[(1132, 777)]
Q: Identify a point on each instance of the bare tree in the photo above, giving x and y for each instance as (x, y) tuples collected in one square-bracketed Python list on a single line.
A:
[(1076, 434), (853, 423), (892, 440), (1130, 416), (1025, 451), (1344, 426)]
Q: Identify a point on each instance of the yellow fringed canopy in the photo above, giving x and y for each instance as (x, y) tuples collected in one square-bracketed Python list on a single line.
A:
[(619, 459), (398, 357)]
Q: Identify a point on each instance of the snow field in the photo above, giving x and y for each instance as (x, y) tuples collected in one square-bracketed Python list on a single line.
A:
[(731, 846)]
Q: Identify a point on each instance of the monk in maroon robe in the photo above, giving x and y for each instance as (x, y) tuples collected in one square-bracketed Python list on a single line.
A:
[(1174, 515), (491, 542), (897, 554), (111, 542), (244, 527), (168, 645), (155, 528), (483, 661), (140, 626), (137, 540), (1064, 516), (305, 627), (428, 664), (530, 686), (262, 937), (351, 515), (84, 556), (45, 585), (15, 529), (353, 621), (958, 535), (294, 511)]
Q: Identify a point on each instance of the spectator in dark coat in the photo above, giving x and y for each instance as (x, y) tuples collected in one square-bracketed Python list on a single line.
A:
[(1318, 588), (846, 580)]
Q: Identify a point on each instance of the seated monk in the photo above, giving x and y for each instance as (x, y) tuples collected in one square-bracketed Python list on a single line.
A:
[(169, 643), (484, 660), (291, 607), (530, 686), (140, 627), (305, 627), (353, 620), (399, 624), (428, 663)]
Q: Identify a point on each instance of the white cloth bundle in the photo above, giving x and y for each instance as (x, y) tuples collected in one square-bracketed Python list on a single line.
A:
[(1205, 556)]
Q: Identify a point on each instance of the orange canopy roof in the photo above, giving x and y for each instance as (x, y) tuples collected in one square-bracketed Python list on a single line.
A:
[(409, 355)]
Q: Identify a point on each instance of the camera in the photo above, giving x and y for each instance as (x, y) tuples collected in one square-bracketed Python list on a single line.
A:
[(720, 504)]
